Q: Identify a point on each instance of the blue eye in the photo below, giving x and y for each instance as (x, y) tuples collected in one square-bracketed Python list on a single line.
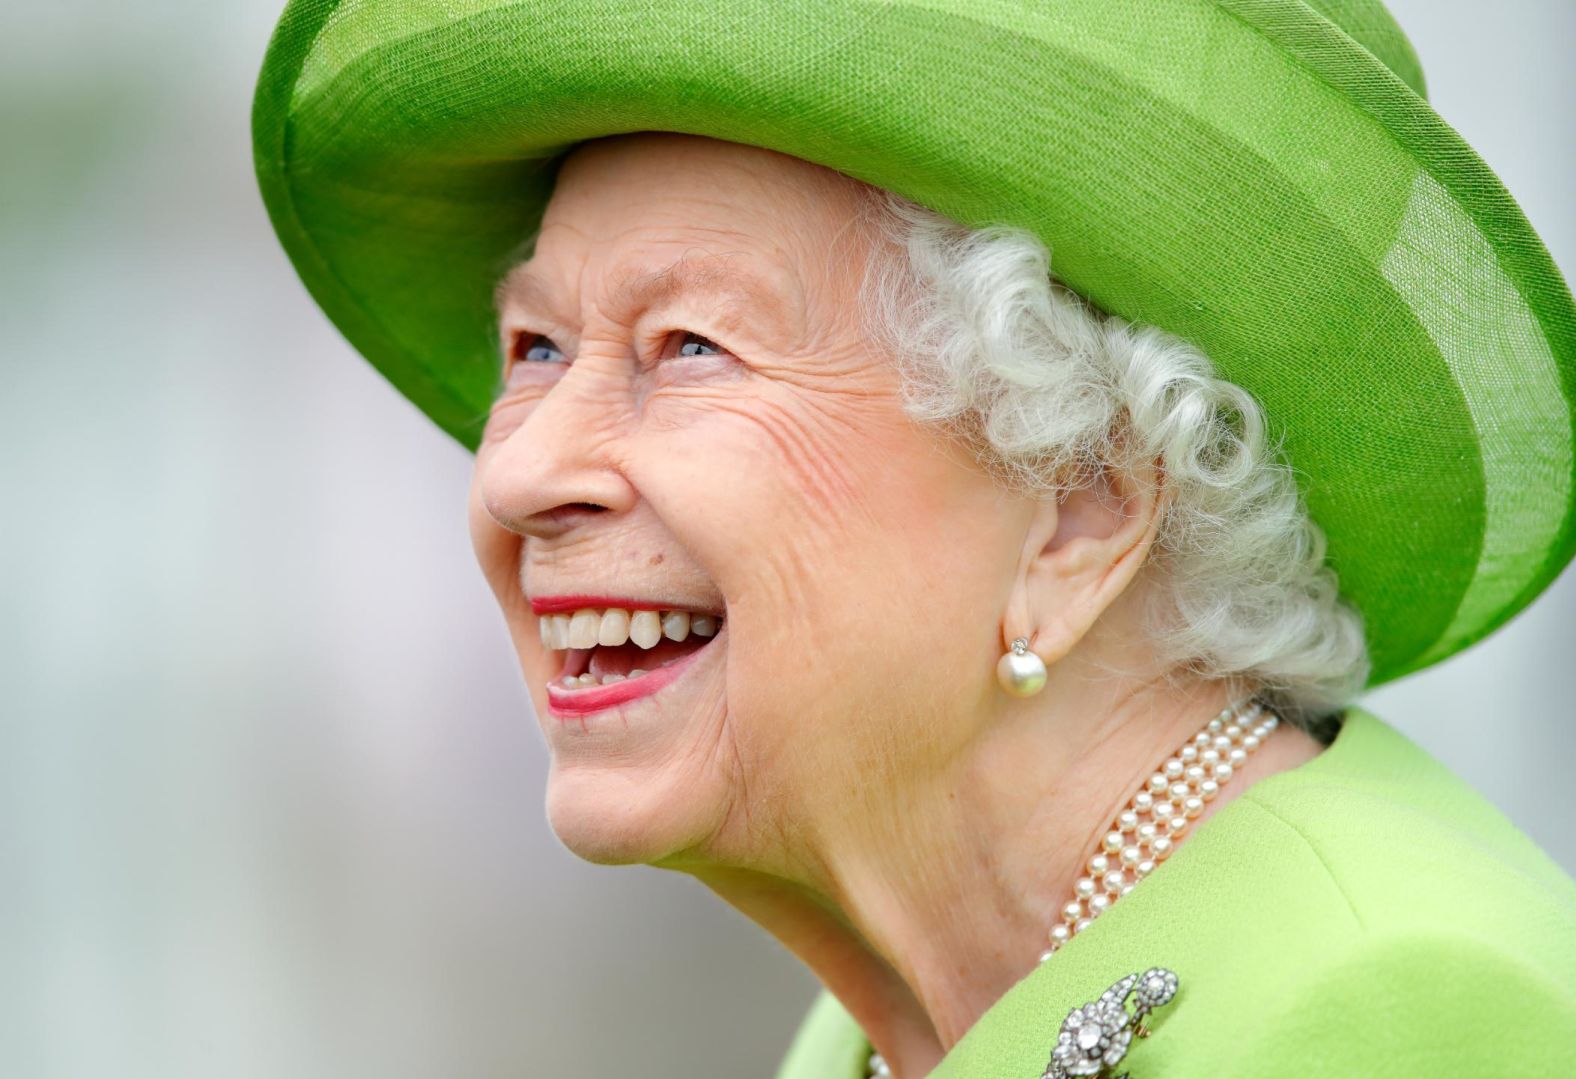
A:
[(696, 345), (537, 349)]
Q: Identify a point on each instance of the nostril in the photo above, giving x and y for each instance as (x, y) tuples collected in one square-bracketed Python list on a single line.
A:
[(570, 514), (553, 523), (543, 524)]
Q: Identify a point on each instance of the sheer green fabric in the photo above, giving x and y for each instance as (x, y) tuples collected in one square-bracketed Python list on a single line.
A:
[(1364, 914), (1261, 177)]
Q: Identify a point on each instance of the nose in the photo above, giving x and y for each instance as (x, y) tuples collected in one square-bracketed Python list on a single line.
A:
[(559, 467)]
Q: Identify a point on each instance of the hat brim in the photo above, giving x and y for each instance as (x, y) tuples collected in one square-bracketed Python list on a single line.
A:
[(1240, 172)]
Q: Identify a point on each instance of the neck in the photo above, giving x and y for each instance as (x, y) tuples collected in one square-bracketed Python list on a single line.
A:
[(919, 921)]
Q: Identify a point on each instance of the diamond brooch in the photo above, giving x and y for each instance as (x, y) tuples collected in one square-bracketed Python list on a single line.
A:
[(1094, 1038)]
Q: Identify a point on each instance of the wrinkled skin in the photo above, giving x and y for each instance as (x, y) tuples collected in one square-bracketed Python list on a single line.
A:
[(778, 480), (839, 763)]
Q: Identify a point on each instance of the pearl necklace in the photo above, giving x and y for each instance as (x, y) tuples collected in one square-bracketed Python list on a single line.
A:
[(1146, 832)]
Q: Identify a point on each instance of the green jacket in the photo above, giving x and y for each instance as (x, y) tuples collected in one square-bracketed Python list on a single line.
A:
[(1364, 914)]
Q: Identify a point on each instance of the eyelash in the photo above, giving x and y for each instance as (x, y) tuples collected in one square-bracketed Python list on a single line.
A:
[(525, 343)]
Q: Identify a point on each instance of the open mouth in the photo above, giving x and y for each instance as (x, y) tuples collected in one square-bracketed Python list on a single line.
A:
[(615, 654)]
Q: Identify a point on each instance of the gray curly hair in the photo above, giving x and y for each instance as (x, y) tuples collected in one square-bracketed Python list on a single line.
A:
[(1045, 389)]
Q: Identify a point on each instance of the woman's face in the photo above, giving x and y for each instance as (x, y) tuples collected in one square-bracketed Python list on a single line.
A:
[(695, 420)]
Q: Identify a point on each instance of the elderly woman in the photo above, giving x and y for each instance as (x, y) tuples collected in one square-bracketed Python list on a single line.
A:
[(986, 637)]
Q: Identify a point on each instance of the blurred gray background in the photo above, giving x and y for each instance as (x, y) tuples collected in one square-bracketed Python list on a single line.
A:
[(270, 792)]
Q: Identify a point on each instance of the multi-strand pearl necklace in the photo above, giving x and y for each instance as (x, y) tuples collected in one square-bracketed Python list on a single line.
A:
[(1146, 832)]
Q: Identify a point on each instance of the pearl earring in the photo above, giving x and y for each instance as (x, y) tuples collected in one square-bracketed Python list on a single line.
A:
[(1020, 671)]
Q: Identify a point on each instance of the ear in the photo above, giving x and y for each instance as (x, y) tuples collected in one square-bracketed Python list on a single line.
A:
[(1081, 552)]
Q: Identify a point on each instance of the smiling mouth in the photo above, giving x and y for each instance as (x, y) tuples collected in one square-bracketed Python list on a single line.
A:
[(617, 654)]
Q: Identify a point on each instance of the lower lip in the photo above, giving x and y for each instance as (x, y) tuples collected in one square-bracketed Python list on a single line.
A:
[(580, 702)]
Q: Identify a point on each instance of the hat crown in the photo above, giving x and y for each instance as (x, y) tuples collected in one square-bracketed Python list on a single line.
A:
[(1371, 25)]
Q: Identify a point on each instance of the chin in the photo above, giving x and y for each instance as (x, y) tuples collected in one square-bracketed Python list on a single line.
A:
[(617, 814)]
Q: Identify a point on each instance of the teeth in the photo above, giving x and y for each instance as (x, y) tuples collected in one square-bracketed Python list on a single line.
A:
[(583, 628), (614, 629), (645, 628), (570, 681), (589, 627)]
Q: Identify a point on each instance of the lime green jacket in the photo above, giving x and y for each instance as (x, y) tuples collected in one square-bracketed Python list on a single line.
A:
[(1364, 914)]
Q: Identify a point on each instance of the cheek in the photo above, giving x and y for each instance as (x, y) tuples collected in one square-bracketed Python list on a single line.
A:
[(851, 492), (781, 480), (819, 516)]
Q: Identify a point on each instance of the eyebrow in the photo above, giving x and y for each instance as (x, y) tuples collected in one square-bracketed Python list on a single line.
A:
[(634, 289)]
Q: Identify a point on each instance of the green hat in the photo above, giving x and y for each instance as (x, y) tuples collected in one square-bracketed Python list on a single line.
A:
[(1261, 177)]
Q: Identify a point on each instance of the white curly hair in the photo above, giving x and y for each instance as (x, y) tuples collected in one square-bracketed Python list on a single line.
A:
[(1046, 388)]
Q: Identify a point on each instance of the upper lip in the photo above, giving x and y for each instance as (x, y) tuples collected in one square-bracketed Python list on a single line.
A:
[(570, 602)]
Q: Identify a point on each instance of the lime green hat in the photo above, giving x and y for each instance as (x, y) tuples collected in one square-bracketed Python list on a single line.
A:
[(1261, 177)]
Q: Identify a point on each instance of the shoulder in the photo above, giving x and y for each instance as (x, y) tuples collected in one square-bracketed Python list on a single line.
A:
[(1449, 946), (1413, 1003), (1411, 847)]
